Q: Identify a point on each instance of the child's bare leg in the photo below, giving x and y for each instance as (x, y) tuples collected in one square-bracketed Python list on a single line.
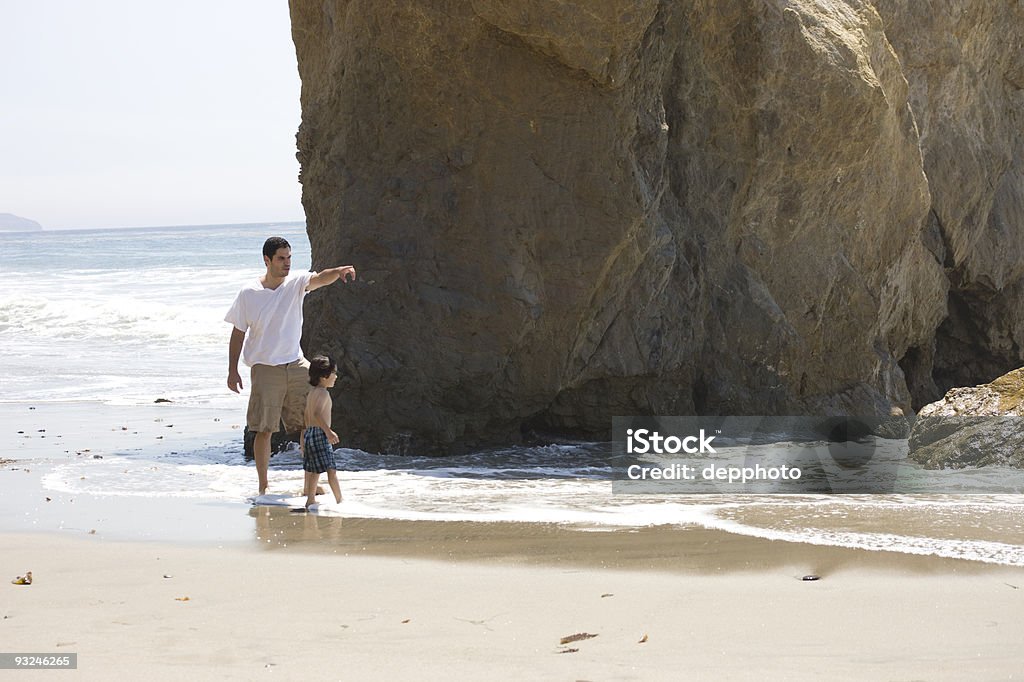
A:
[(309, 487), (332, 478)]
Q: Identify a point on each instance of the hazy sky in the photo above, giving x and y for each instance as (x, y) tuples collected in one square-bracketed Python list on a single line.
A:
[(117, 113)]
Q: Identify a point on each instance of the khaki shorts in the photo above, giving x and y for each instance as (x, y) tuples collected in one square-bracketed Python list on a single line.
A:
[(278, 392)]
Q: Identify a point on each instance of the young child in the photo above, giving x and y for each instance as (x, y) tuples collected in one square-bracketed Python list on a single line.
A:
[(317, 438)]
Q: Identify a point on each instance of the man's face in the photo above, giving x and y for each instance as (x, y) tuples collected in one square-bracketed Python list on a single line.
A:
[(280, 264)]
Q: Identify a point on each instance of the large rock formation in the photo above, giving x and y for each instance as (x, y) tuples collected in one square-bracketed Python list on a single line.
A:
[(567, 211), (973, 426), (965, 65)]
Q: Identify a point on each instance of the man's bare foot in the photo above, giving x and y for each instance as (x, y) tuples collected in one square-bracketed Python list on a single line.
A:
[(309, 503), (263, 491)]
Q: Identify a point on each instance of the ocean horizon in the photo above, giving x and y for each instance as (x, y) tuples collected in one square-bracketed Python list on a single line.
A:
[(171, 226)]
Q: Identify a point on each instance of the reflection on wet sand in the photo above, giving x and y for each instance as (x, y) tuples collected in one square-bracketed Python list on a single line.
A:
[(662, 548)]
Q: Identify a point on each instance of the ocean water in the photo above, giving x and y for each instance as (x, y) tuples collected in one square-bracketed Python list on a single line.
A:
[(124, 317)]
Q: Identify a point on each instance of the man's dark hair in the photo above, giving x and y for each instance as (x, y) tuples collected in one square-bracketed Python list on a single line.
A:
[(271, 246), (319, 367)]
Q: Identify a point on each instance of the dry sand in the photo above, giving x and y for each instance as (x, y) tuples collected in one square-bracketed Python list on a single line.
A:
[(734, 610)]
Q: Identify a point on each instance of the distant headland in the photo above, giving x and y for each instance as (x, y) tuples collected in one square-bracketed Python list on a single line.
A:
[(12, 223)]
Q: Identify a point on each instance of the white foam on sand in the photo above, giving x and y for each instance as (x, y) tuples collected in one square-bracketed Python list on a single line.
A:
[(326, 507), (973, 550), (579, 496)]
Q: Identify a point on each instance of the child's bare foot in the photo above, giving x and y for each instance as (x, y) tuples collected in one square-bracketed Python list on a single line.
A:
[(319, 490)]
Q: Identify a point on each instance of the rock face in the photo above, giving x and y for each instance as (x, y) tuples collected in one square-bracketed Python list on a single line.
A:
[(563, 212), (973, 426), (12, 223), (965, 66)]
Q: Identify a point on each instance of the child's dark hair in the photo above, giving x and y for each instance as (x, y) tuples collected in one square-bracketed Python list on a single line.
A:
[(319, 367)]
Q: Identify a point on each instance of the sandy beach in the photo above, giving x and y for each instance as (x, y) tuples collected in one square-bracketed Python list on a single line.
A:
[(492, 601), (166, 587)]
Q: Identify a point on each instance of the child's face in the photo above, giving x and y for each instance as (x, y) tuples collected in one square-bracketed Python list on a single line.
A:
[(330, 379)]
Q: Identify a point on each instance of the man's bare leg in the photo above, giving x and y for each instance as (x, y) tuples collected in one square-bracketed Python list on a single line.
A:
[(261, 453)]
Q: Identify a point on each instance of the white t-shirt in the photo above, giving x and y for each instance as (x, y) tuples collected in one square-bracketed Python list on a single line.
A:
[(272, 320)]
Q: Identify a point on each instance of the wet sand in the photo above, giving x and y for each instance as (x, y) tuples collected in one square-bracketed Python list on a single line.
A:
[(89, 428), (689, 550)]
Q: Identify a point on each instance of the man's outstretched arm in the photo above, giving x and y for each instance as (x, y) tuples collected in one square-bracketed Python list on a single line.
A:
[(345, 273)]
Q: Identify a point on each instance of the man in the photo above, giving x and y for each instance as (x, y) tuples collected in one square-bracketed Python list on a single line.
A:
[(267, 319)]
